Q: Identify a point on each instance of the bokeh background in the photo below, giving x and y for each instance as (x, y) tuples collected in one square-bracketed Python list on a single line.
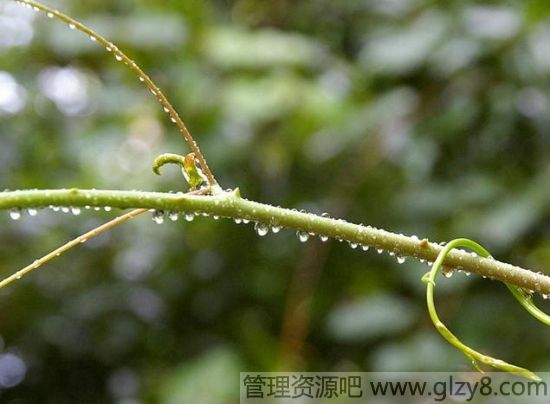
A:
[(421, 117)]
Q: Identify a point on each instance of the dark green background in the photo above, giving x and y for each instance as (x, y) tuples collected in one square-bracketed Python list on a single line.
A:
[(421, 117)]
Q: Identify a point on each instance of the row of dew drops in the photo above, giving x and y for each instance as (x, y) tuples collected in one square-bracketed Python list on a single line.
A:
[(262, 229)]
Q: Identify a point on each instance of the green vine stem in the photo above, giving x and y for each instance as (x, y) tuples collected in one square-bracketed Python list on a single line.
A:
[(73, 243), (473, 355), (527, 302), (229, 204), (143, 77)]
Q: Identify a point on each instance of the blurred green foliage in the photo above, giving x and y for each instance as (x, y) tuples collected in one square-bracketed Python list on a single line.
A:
[(421, 117)]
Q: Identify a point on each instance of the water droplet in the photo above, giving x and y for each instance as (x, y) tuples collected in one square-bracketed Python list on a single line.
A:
[(158, 216), (97, 208), (92, 38), (166, 109), (261, 228), (215, 217), (246, 221), (401, 259), (15, 214), (302, 236), (108, 49), (276, 229), (75, 210), (545, 297), (365, 247), (379, 250), (72, 26), (323, 238), (172, 118), (118, 58), (50, 15), (141, 79), (448, 273), (189, 216), (325, 215), (467, 273), (65, 209), (391, 254), (353, 245), (32, 212), (238, 220), (173, 216)]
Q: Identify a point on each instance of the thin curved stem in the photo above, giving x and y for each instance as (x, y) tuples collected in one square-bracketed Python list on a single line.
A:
[(473, 355), (73, 243), (231, 205), (527, 302), (143, 77)]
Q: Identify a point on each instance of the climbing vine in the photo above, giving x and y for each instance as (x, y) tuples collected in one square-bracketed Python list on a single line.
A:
[(205, 196)]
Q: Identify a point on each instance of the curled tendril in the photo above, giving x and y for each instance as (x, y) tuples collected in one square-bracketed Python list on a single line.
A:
[(189, 168), (473, 355), (167, 158)]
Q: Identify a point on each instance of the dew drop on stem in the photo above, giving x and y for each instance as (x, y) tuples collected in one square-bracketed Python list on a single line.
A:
[(75, 210), (173, 216), (275, 229), (365, 247), (448, 273), (302, 236), (15, 214), (237, 220), (401, 259), (158, 216), (32, 212), (323, 238), (261, 228), (189, 216), (353, 245)]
